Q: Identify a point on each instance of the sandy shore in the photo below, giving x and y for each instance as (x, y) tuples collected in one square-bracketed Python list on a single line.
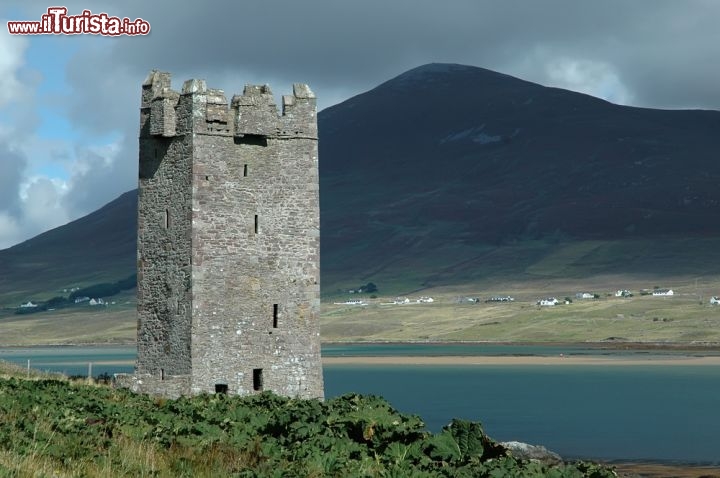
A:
[(653, 470), (523, 360), (481, 360)]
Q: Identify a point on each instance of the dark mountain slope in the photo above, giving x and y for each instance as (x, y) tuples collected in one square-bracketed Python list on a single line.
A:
[(95, 248), (451, 158), (454, 174)]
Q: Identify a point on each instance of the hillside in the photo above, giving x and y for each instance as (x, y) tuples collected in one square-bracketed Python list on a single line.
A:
[(456, 175), (96, 248), (451, 174)]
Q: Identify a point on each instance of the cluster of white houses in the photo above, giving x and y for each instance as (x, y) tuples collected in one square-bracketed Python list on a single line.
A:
[(352, 302), (663, 292), (406, 300), (90, 301), (550, 301), (396, 301), (545, 302), (78, 300)]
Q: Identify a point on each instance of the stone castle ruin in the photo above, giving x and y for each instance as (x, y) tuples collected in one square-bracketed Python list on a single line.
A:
[(228, 242)]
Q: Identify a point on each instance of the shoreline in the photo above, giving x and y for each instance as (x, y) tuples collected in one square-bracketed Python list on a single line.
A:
[(591, 354), (496, 360), (480, 361), (599, 345), (650, 469)]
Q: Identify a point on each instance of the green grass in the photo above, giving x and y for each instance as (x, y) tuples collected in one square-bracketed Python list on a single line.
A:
[(76, 325), (55, 427), (683, 318)]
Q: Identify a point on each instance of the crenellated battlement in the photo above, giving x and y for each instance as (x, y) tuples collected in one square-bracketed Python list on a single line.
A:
[(199, 109)]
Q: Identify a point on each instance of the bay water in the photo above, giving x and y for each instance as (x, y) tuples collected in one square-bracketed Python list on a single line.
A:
[(664, 413)]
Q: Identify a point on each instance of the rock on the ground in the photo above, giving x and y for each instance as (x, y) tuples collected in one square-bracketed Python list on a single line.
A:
[(523, 451)]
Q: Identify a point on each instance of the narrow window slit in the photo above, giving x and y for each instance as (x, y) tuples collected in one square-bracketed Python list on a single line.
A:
[(258, 379), (251, 139), (275, 316), (245, 170), (167, 219), (256, 223)]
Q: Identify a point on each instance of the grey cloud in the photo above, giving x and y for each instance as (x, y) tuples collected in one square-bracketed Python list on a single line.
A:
[(663, 50), (662, 53), (12, 165), (103, 181)]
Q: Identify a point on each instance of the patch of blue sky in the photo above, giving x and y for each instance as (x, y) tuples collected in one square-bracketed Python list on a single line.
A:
[(15, 13), (102, 140), (54, 126), (49, 55), (53, 171)]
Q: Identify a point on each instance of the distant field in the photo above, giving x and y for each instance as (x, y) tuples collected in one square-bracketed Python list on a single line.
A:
[(69, 326), (686, 317)]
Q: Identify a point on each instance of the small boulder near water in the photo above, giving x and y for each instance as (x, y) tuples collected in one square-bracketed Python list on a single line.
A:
[(523, 451)]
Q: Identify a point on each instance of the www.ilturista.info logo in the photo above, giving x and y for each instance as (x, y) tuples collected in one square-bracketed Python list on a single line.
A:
[(57, 22)]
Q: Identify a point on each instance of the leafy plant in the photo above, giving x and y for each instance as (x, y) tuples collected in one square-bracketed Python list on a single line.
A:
[(71, 428)]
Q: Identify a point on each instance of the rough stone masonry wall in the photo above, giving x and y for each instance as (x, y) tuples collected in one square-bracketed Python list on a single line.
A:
[(164, 255), (256, 284)]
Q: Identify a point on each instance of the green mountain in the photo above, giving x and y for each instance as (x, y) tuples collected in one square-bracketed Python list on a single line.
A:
[(451, 174), (100, 247)]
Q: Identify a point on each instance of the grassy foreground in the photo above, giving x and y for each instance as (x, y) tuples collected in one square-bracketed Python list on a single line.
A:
[(51, 426)]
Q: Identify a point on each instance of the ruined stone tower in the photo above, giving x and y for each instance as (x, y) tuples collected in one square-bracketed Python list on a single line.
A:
[(228, 242)]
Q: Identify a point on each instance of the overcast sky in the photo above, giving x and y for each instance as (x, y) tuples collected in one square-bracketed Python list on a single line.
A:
[(69, 104)]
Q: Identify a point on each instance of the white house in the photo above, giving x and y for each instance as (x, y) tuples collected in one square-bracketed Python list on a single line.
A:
[(663, 292), (714, 300), (584, 295), (28, 305), (498, 298), (623, 293), (425, 300), (351, 302), (548, 301), (79, 300), (401, 300)]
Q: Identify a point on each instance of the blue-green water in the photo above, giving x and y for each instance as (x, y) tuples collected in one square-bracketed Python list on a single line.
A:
[(638, 412), (517, 350), (650, 413), (73, 360)]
